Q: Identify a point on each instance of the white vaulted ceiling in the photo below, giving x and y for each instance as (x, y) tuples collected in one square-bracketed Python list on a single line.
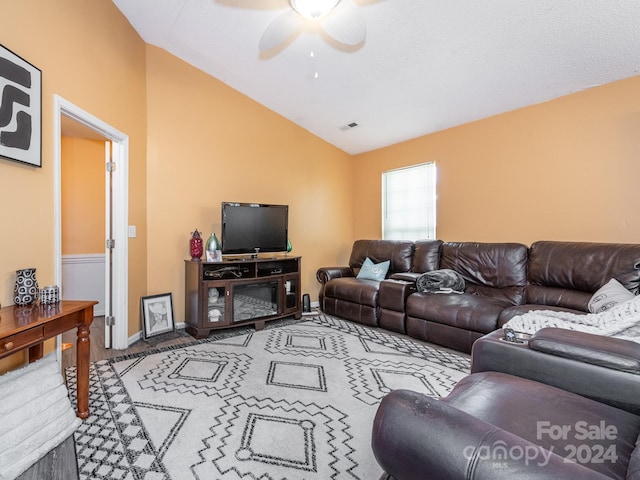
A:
[(426, 65)]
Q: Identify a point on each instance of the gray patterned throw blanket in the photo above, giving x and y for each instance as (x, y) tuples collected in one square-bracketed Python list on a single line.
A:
[(440, 281), (620, 321)]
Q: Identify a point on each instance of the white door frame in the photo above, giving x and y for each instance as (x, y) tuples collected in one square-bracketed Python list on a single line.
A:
[(120, 155)]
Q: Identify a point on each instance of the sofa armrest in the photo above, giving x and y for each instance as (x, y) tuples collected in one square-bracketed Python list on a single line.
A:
[(415, 437), (599, 350), (393, 294), (405, 276), (606, 385), (325, 274)]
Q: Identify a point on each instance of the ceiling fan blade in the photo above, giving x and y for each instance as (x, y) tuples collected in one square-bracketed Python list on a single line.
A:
[(281, 28), (345, 24), (256, 4)]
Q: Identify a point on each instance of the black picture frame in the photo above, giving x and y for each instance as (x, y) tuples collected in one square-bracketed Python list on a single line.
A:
[(157, 315), (20, 109)]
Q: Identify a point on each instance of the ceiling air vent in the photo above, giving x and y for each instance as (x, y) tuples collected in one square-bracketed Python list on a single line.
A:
[(348, 126)]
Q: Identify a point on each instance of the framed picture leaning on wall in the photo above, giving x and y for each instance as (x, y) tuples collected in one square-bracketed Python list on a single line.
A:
[(157, 314), (20, 109)]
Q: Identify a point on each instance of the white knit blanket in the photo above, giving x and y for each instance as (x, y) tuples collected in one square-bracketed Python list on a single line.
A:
[(620, 321), (35, 415)]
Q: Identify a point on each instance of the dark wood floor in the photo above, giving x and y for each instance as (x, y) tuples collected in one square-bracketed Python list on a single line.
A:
[(98, 352), (60, 463)]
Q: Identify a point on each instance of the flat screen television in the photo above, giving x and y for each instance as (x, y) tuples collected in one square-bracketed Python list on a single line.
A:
[(254, 228)]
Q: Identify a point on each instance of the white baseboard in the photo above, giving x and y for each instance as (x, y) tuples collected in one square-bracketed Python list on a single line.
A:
[(134, 338)]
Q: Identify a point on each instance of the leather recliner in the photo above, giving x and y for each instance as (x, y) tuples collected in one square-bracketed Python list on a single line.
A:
[(502, 425), (356, 299), (495, 275)]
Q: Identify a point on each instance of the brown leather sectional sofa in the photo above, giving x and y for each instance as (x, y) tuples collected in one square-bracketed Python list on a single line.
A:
[(501, 280)]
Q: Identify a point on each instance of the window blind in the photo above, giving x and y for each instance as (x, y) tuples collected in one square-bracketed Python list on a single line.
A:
[(409, 203)]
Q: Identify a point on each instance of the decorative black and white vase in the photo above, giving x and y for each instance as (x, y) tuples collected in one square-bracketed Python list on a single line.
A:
[(25, 291)]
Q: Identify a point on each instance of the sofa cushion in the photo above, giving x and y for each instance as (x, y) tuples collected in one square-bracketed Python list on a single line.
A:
[(399, 253), (610, 294), (426, 256), (491, 269), (558, 297), (355, 290), (580, 266), (373, 271), (538, 413), (469, 312)]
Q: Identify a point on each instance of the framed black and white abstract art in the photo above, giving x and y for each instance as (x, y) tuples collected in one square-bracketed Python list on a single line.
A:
[(20, 109)]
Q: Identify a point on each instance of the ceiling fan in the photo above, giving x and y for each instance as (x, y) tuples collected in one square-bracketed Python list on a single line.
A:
[(339, 19)]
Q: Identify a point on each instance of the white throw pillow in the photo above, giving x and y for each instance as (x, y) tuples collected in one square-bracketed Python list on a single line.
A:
[(610, 294)]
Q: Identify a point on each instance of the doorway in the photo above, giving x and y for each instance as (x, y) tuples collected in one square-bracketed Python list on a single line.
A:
[(116, 214)]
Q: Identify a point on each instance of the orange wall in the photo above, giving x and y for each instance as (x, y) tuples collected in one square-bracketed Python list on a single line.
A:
[(566, 169), (83, 196), (559, 170), (90, 55), (207, 143)]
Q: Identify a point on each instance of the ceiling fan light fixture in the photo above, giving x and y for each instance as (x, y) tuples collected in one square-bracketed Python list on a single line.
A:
[(313, 9)]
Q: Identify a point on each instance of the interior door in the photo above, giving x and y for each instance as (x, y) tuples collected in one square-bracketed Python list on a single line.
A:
[(116, 276), (109, 246)]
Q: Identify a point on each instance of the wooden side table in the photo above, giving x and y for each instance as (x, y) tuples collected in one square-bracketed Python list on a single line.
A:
[(28, 327)]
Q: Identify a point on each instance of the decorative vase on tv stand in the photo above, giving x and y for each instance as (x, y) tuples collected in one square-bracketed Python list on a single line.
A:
[(25, 291), (195, 246), (213, 249)]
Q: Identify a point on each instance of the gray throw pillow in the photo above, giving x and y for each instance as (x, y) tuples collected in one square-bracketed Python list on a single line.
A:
[(610, 294)]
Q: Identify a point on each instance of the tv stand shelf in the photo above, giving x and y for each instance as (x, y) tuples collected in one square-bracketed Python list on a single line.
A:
[(241, 291)]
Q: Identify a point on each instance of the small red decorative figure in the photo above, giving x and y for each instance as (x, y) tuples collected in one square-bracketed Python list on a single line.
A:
[(195, 245)]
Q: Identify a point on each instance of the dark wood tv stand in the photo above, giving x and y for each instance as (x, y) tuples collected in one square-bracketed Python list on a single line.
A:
[(240, 291)]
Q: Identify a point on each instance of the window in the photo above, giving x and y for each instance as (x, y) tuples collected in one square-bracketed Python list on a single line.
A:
[(409, 203)]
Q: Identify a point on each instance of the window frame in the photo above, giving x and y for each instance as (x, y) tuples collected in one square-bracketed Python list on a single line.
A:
[(428, 230)]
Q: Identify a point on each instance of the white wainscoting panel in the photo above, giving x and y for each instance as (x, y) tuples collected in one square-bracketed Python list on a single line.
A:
[(83, 278)]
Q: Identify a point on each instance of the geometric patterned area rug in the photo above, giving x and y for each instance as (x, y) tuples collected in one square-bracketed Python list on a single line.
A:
[(292, 402)]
